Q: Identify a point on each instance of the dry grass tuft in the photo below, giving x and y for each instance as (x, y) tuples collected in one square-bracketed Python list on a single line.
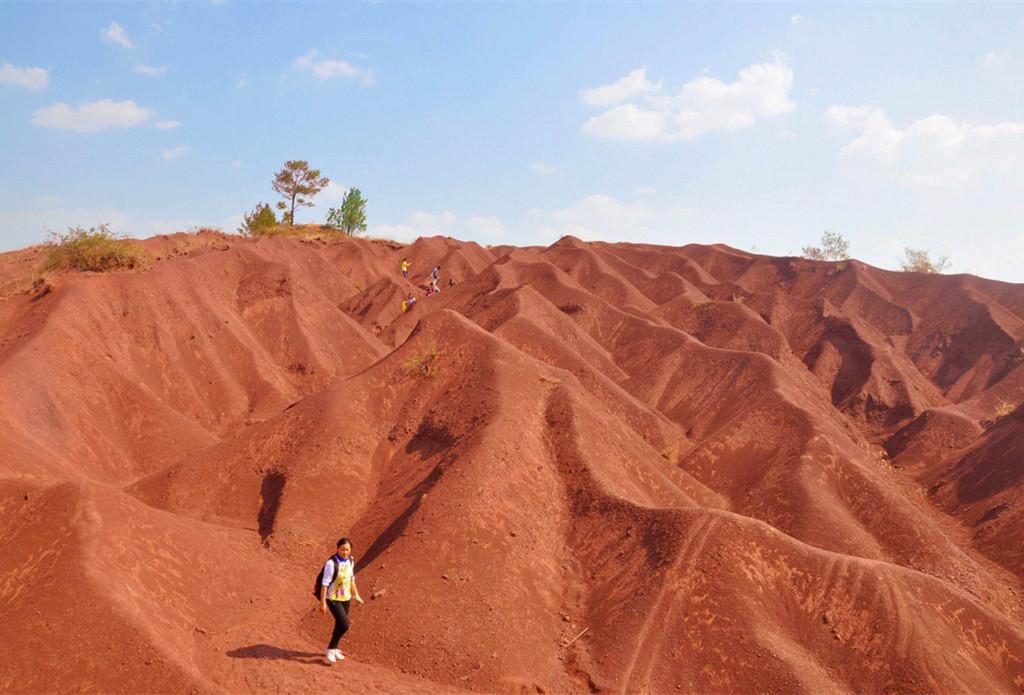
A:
[(1003, 408), (423, 365), (96, 249)]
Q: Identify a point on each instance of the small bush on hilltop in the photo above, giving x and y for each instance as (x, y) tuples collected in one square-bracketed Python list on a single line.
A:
[(833, 248), (920, 262), (1003, 408), (260, 219), (96, 249)]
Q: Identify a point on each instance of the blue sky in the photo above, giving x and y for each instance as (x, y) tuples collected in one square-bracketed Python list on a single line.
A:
[(756, 125)]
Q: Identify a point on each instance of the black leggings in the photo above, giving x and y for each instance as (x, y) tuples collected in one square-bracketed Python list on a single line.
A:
[(339, 609)]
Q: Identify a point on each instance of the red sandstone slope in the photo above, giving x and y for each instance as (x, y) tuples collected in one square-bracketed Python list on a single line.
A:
[(683, 451)]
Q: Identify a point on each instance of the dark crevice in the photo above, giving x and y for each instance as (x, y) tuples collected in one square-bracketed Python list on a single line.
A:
[(270, 500)]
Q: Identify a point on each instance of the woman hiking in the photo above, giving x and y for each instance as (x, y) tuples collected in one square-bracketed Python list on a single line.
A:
[(336, 591)]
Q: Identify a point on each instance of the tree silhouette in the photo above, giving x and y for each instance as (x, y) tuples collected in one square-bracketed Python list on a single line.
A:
[(297, 183), (833, 248)]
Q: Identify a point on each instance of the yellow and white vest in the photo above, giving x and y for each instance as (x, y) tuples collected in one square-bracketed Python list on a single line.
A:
[(340, 588)]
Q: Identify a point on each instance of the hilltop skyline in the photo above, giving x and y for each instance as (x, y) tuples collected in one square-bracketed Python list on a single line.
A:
[(757, 126)]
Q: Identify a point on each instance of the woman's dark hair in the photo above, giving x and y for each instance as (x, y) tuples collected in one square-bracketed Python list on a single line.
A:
[(342, 541)]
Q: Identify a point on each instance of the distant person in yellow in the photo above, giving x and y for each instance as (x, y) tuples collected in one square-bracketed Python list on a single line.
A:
[(407, 303), (337, 588), (405, 268)]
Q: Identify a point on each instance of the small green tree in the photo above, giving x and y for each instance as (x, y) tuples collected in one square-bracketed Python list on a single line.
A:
[(833, 248), (350, 218), (261, 218), (921, 262), (297, 183)]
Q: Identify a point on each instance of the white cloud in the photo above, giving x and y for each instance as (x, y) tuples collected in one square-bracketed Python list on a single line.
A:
[(932, 151), (703, 105), (994, 59), (115, 33), (479, 228), (326, 68), (632, 84), (399, 232), (150, 70), (485, 227), (92, 116), (175, 152), (167, 125), (333, 192), (434, 223), (543, 168), (33, 78), (601, 216), (627, 122), (795, 19)]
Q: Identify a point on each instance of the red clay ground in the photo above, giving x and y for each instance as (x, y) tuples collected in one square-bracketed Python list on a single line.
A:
[(592, 467)]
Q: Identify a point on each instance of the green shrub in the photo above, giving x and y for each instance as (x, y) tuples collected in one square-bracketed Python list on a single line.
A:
[(350, 218), (261, 218), (96, 249)]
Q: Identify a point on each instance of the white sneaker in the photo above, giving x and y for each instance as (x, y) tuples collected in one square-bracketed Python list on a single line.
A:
[(331, 655), (337, 653)]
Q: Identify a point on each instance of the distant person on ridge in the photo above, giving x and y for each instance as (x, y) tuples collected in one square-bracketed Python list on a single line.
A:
[(435, 276), (337, 588), (405, 268), (451, 282), (408, 302)]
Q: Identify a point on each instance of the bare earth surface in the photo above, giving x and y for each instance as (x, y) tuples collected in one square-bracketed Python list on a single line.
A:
[(591, 467)]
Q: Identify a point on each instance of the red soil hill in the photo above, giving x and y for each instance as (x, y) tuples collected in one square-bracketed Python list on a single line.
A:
[(591, 467)]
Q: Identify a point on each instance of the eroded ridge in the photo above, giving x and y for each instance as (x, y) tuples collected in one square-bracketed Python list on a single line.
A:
[(590, 467)]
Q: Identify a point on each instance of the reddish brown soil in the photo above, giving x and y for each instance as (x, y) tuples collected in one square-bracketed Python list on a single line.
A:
[(592, 467)]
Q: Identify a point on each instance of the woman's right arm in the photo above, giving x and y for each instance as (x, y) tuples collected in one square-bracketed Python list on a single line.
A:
[(325, 583)]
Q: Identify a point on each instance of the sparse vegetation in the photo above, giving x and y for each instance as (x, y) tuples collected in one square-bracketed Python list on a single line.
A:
[(261, 218), (300, 231), (920, 262), (350, 218), (423, 364), (95, 249), (1003, 408), (833, 248), (297, 183), (672, 454)]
